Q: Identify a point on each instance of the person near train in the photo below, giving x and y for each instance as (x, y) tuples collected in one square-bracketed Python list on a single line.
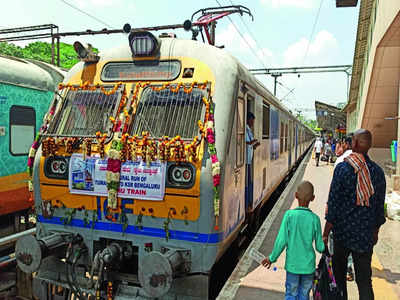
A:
[(355, 214), (300, 229), (251, 145), (346, 151), (339, 148), (317, 149), (328, 151)]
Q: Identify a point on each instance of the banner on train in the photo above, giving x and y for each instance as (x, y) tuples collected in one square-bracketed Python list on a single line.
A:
[(138, 180)]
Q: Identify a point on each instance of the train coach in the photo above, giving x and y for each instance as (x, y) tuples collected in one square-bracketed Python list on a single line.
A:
[(152, 137), (26, 90)]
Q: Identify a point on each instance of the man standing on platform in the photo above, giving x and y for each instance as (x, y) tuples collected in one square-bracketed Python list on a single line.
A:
[(251, 145), (355, 213), (317, 149)]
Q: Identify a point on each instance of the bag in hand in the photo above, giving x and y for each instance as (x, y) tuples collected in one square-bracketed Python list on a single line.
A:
[(324, 287)]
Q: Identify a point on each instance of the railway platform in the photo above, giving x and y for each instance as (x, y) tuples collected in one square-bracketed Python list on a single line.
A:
[(250, 280)]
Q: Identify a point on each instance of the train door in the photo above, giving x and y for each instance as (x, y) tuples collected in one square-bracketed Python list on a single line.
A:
[(250, 135), (290, 141), (296, 142), (240, 165)]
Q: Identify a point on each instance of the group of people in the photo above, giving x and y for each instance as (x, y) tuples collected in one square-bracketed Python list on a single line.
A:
[(330, 149), (354, 214)]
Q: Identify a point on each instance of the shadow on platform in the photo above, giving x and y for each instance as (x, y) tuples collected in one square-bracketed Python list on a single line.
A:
[(250, 293)]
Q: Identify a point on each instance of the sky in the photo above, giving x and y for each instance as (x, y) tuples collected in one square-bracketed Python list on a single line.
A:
[(284, 33)]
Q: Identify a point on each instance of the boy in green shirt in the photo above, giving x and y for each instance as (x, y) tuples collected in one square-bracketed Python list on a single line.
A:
[(299, 229)]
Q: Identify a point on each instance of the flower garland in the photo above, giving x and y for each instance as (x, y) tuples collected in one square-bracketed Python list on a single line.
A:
[(87, 87), (216, 166), (35, 146)]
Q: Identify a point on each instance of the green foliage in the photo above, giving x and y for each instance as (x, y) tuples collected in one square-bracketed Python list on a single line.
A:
[(42, 51), (310, 123)]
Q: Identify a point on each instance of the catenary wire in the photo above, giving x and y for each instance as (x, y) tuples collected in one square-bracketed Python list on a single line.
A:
[(250, 32), (243, 38), (87, 14), (312, 31)]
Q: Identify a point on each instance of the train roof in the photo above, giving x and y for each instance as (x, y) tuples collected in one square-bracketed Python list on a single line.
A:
[(29, 73), (214, 57)]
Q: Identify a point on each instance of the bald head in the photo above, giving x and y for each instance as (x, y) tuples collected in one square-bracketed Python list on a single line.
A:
[(305, 191), (362, 141)]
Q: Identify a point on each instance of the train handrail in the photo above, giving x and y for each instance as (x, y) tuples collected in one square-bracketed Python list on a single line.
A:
[(13, 238)]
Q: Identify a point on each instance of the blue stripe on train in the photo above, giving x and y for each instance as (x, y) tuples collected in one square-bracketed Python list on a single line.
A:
[(211, 238)]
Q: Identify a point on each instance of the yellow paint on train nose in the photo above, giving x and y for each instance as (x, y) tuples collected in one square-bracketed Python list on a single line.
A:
[(185, 202)]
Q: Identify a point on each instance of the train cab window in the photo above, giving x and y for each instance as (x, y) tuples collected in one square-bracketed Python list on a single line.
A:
[(22, 129), (282, 137), (240, 133), (84, 112), (166, 113), (265, 128)]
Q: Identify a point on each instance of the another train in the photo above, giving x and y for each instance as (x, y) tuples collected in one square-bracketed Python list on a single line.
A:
[(26, 90), (151, 137)]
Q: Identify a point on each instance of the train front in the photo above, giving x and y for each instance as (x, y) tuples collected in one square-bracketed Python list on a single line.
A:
[(117, 176)]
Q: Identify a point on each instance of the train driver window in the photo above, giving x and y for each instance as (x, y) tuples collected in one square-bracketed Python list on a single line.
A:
[(240, 133), (265, 128), (22, 129)]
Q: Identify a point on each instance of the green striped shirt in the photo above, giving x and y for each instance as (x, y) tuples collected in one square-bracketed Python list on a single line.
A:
[(300, 228)]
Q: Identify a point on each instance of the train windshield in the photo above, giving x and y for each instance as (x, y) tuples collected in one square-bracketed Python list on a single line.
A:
[(168, 113), (85, 112)]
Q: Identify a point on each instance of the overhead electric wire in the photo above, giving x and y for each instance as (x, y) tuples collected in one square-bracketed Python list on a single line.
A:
[(243, 38), (250, 32), (87, 14), (313, 31)]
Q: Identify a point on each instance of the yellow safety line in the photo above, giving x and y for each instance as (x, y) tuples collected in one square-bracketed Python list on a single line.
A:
[(382, 288)]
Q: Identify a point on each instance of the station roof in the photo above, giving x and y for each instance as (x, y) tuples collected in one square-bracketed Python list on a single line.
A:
[(364, 20)]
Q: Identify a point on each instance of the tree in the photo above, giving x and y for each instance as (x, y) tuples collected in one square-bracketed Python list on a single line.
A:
[(309, 122), (42, 51)]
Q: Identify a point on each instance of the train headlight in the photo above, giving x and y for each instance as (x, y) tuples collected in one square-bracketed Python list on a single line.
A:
[(143, 43), (180, 175), (56, 167)]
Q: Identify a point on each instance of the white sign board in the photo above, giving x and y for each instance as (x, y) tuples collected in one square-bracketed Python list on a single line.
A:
[(137, 180)]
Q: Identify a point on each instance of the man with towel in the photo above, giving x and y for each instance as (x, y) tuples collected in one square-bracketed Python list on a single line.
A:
[(355, 213)]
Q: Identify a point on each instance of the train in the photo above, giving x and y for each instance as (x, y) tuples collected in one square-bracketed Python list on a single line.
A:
[(26, 90), (140, 175)]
